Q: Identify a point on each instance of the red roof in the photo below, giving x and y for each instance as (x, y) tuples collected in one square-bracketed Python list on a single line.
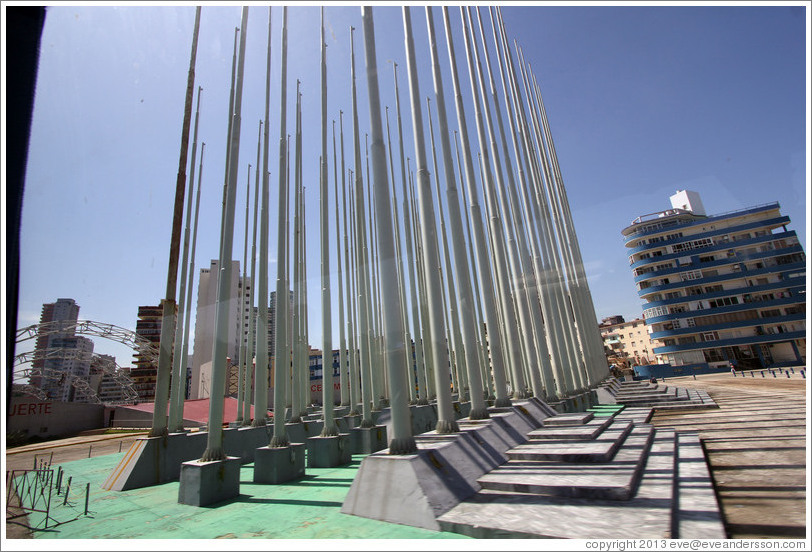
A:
[(198, 410)]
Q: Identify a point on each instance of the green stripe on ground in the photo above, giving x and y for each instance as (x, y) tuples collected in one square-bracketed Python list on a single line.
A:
[(305, 509)]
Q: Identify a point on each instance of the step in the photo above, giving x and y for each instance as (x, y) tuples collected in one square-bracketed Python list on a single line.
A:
[(568, 419), (696, 511), (601, 449), (637, 414), (496, 514), (589, 430), (614, 480)]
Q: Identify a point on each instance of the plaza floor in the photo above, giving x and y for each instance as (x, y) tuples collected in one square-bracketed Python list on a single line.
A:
[(305, 509), (755, 444)]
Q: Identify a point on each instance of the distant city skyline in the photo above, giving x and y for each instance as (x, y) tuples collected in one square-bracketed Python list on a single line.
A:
[(642, 100)]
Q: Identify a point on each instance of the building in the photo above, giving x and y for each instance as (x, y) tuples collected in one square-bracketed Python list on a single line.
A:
[(62, 360), (721, 289), (272, 321), (144, 372), (626, 343), (64, 311), (204, 324)]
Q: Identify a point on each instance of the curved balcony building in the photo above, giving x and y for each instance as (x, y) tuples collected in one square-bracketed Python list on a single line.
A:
[(722, 288)]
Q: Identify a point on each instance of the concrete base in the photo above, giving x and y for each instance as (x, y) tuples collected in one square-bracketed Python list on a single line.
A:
[(312, 428), (278, 465), (349, 421), (461, 409), (366, 440), (415, 489), (242, 442), (295, 432), (205, 483), (328, 452), (424, 418)]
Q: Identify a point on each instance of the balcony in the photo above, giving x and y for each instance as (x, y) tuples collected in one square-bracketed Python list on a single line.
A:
[(671, 286), (721, 246), (662, 334), (747, 340), (645, 229)]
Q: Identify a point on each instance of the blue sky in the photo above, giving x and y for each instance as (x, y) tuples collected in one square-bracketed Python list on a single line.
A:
[(642, 101)]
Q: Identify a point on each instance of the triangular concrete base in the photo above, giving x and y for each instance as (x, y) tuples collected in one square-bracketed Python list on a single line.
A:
[(415, 489)]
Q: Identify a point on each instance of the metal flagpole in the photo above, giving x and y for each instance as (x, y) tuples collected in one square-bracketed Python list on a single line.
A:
[(512, 275), (214, 446), (487, 384), (538, 353), (445, 412), (281, 350), (252, 319), (461, 268), (352, 368), (184, 356), (553, 283), (483, 259), (556, 340), (454, 338), (431, 395), (400, 270), (243, 365), (416, 332), (261, 372), (352, 291), (375, 298), (401, 441), (330, 429), (168, 306), (177, 389), (569, 382), (361, 263), (342, 351), (297, 394)]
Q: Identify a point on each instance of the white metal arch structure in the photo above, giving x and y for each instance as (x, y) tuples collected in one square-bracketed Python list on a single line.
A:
[(148, 351)]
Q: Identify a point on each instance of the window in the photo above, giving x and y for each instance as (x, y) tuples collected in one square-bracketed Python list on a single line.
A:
[(712, 289), (710, 336), (691, 275), (723, 302)]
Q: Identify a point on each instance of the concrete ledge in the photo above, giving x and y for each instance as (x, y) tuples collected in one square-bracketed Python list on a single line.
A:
[(366, 440), (205, 483), (278, 465), (328, 452), (696, 511), (155, 460)]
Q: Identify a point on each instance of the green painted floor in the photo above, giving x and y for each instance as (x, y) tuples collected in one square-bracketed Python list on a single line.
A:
[(305, 509)]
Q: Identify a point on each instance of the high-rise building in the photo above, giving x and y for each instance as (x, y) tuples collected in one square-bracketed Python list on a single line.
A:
[(64, 312), (204, 324), (720, 289), (272, 321), (62, 359), (144, 372)]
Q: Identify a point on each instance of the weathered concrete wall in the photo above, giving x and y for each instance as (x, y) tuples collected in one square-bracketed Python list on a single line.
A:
[(44, 418)]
